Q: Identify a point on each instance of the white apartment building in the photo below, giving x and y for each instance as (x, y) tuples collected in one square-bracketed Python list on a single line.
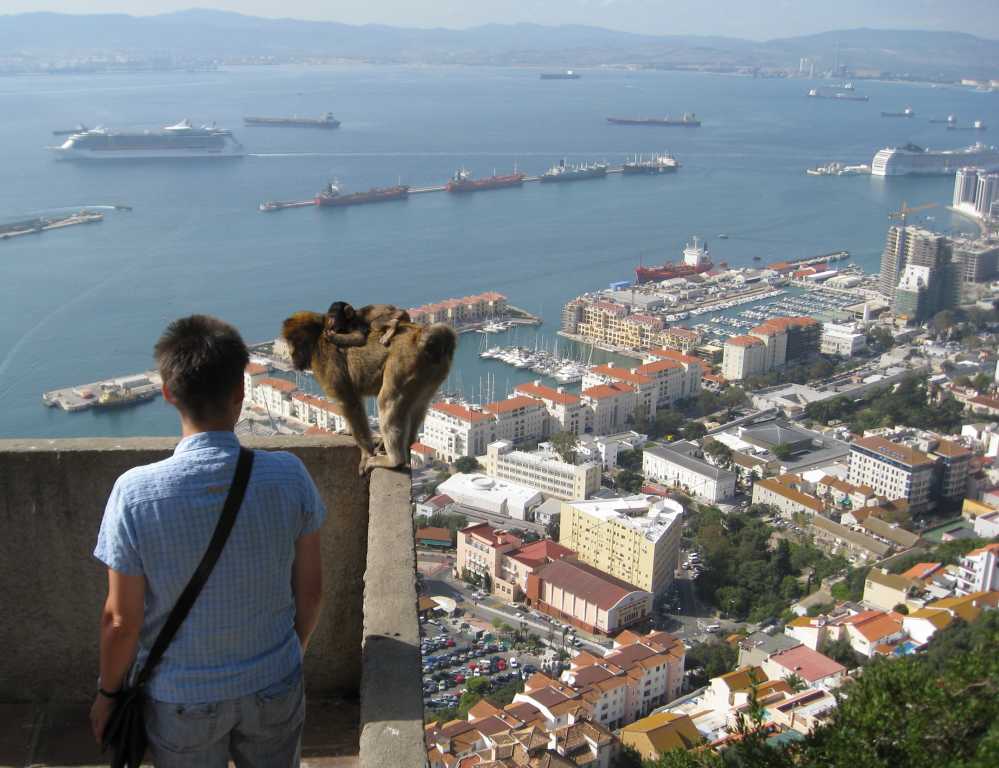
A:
[(454, 430), (676, 464), (645, 388), (323, 413), (604, 449), (979, 570), (565, 410), (519, 419), (744, 356), (894, 471), (611, 407), (634, 539), (543, 470), (274, 395), (842, 340), (673, 381)]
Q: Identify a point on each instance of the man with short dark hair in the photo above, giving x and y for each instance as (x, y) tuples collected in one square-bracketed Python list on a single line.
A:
[(230, 684)]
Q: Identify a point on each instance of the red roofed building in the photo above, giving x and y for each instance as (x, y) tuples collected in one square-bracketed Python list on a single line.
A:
[(463, 311), (612, 407), (480, 550), (253, 373), (453, 430), (811, 666), (519, 419), (323, 413), (744, 356), (646, 389), (565, 410), (274, 395), (587, 598), (868, 630)]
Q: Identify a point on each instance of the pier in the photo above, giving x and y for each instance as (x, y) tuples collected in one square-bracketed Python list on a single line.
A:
[(116, 392), (36, 226)]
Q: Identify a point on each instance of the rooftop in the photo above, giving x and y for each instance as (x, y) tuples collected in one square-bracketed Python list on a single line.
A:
[(461, 412), (894, 451), (511, 404), (538, 390), (605, 391), (587, 583), (279, 384), (681, 453), (623, 374), (809, 665), (650, 515)]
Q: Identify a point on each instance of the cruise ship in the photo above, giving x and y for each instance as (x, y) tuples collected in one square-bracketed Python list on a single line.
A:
[(911, 160), (182, 140)]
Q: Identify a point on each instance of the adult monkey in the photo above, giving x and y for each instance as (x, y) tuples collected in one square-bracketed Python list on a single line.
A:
[(404, 375)]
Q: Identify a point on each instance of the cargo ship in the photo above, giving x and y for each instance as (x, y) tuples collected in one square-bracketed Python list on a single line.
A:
[(695, 261), (660, 162), (949, 120), (182, 140), (567, 75), (688, 120), (326, 121), (564, 172), (332, 196), (907, 112), (118, 396), (846, 95), (462, 181), (977, 125)]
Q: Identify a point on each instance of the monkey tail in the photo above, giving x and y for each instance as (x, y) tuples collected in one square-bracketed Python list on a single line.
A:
[(438, 344)]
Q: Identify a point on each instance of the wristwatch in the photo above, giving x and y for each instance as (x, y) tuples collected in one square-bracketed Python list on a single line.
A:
[(107, 694)]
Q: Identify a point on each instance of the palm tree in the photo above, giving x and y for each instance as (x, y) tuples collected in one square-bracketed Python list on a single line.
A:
[(795, 682)]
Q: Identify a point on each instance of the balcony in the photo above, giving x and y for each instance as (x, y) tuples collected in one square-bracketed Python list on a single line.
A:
[(362, 671)]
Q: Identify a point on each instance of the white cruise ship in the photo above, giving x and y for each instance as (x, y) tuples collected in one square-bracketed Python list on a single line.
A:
[(182, 140), (910, 159)]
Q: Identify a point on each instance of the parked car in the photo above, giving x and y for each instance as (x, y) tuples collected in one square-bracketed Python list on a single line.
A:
[(513, 662)]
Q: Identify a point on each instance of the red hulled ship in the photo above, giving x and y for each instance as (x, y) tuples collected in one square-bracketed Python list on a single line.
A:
[(462, 181), (695, 261), (332, 195)]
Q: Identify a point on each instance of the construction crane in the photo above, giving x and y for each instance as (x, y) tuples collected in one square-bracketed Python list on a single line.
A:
[(904, 210)]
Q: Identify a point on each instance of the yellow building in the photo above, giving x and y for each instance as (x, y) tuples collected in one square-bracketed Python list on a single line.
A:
[(655, 735), (628, 538)]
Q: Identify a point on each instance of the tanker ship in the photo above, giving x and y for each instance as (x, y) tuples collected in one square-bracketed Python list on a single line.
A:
[(462, 181), (332, 195), (688, 120), (564, 172), (567, 75), (326, 121), (695, 261), (660, 162)]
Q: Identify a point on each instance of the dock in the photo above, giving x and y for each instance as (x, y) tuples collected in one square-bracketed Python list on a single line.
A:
[(36, 226), (123, 390)]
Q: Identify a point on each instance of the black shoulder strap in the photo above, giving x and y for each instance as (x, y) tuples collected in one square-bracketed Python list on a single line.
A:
[(233, 501)]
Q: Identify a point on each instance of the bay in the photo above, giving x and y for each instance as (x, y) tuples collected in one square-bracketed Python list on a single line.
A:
[(88, 302)]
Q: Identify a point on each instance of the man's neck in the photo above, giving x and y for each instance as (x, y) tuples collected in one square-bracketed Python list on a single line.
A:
[(189, 428)]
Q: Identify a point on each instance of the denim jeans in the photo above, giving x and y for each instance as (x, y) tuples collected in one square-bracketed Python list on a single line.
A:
[(261, 730)]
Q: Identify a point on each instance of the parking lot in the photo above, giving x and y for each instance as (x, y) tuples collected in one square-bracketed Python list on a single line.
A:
[(453, 651)]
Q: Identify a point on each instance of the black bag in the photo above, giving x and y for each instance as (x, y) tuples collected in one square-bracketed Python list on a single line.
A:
[(125, 732)]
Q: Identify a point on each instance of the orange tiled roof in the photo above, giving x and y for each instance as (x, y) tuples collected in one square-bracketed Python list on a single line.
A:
[(511, 404), (461, 412), (621, 373), (278, 384), (604, 391), (255, 369), (744, 341), (546, 393)]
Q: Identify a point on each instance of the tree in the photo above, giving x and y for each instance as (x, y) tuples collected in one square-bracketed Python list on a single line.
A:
[(467, 464), (628, 757), (981, 383), (667, 423), (565, 445), (693, 430), (880, 339), (852, 586), (820, 369), (718, 451), (630, 459), (840, 651), (782, 451), (795, 682), (628, 481), (781, 559), (733, 397)]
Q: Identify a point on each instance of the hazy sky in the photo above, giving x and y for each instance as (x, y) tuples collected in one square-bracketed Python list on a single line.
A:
[(756, 19)]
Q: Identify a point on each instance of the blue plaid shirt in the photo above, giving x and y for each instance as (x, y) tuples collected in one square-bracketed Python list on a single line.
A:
[(239, 637)]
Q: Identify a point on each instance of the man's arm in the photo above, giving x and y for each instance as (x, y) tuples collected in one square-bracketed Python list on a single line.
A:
[(307, 584), (121, 623)]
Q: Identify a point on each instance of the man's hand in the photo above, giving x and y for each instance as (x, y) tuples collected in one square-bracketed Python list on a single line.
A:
[(99, 714)]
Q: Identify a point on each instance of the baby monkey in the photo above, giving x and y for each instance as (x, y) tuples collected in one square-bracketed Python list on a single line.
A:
[(349, 327)]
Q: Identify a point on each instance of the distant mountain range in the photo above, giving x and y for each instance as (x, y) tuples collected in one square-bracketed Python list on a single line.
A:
[(219, 35)]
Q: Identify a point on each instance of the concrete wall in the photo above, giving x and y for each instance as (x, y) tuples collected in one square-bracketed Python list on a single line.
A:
[(52, 497)]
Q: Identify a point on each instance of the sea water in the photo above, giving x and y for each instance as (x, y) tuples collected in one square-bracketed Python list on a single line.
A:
[(88, 302)]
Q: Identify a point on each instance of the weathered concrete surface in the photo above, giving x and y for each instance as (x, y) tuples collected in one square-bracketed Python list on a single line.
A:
[(52, 497), (391, 692)]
